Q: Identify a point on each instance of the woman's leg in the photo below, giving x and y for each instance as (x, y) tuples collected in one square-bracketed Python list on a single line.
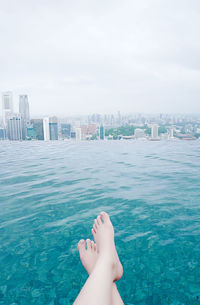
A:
[(89, 257), (116, 298), (98, 287)]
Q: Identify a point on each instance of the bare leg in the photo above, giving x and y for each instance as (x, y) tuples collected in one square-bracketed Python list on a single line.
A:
[(116, 298), (89, 257), (98, 287)]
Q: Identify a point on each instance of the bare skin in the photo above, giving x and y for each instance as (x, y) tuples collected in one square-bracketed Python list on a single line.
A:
[(88, 257), (98, 288), (103, 233)]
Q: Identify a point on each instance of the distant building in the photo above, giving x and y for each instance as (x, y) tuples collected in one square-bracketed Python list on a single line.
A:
[(31, 133), (73, 135), (154, 132), (171, 132), (24, 111), (139, 133), (24, 107), (87, 131), (53, 128), (46, 129), (101, 132), (38, 129), (7, 106), (78, 134), (2, 134), (14, 127), (84, 131), (66, 131), (92, 129)]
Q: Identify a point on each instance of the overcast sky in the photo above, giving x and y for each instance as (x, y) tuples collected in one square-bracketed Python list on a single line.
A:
[(81, 56)]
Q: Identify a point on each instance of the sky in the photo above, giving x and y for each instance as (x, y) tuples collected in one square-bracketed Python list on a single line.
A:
[(86, 56)]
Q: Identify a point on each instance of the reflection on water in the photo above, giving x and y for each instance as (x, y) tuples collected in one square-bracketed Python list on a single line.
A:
[(50, 194)]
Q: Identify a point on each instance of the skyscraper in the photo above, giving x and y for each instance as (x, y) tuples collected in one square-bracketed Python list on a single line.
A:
[(46, 129), (7, 106), (14, 127), (24, 107), (37, 125), (154, 132), (53, 128), (101, 132), (31, 132), (66, 131), (78, 134), (24, 111), (171, 132), (2, 134)]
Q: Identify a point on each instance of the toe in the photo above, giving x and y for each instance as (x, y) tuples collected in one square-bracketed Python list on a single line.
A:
[(93, 232), (88, 242), (99, 220), (92, 245), (95, 247), (105, 216), (94, 228), (96, 223), (81, 247)]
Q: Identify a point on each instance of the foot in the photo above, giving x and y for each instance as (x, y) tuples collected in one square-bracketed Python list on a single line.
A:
[(103, 233), (88, 256)]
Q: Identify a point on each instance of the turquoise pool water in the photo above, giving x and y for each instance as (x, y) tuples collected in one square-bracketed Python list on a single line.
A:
[(50, 194)]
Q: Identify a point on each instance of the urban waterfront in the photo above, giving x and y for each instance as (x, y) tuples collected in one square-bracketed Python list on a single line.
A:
[(20, 126), (51, 192)]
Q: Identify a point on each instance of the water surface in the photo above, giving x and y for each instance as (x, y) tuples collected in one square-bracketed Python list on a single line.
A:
[(50, 193)]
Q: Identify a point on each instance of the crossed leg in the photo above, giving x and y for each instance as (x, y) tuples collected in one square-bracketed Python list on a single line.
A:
[(89, 256), (102, 264)]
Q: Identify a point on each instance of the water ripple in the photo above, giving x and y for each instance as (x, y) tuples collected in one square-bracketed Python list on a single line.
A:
[(50, 194)]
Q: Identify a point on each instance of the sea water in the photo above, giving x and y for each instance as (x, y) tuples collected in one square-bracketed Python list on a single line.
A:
[(50, 193)]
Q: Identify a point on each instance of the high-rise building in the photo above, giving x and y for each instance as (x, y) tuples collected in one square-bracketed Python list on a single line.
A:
[(92, 129), (87, 131), (171, 132), (46, 129), (73, 135), (14, 127), (38, 127), (84, 131), (53, 128), (78, 133), (2, 134), (31, 133), (7, 106), (154, 131), (101, 132), (24, 107), (65, 131), (24, 111)]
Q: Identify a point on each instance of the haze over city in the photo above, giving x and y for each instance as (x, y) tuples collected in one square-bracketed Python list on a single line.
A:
[(85, 57)]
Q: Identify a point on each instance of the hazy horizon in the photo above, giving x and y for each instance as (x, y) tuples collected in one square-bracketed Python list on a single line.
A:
[(87, 57)]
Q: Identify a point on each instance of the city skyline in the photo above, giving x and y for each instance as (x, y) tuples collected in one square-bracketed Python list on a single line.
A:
[(15, 100), (18, 126), (102, 57)]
